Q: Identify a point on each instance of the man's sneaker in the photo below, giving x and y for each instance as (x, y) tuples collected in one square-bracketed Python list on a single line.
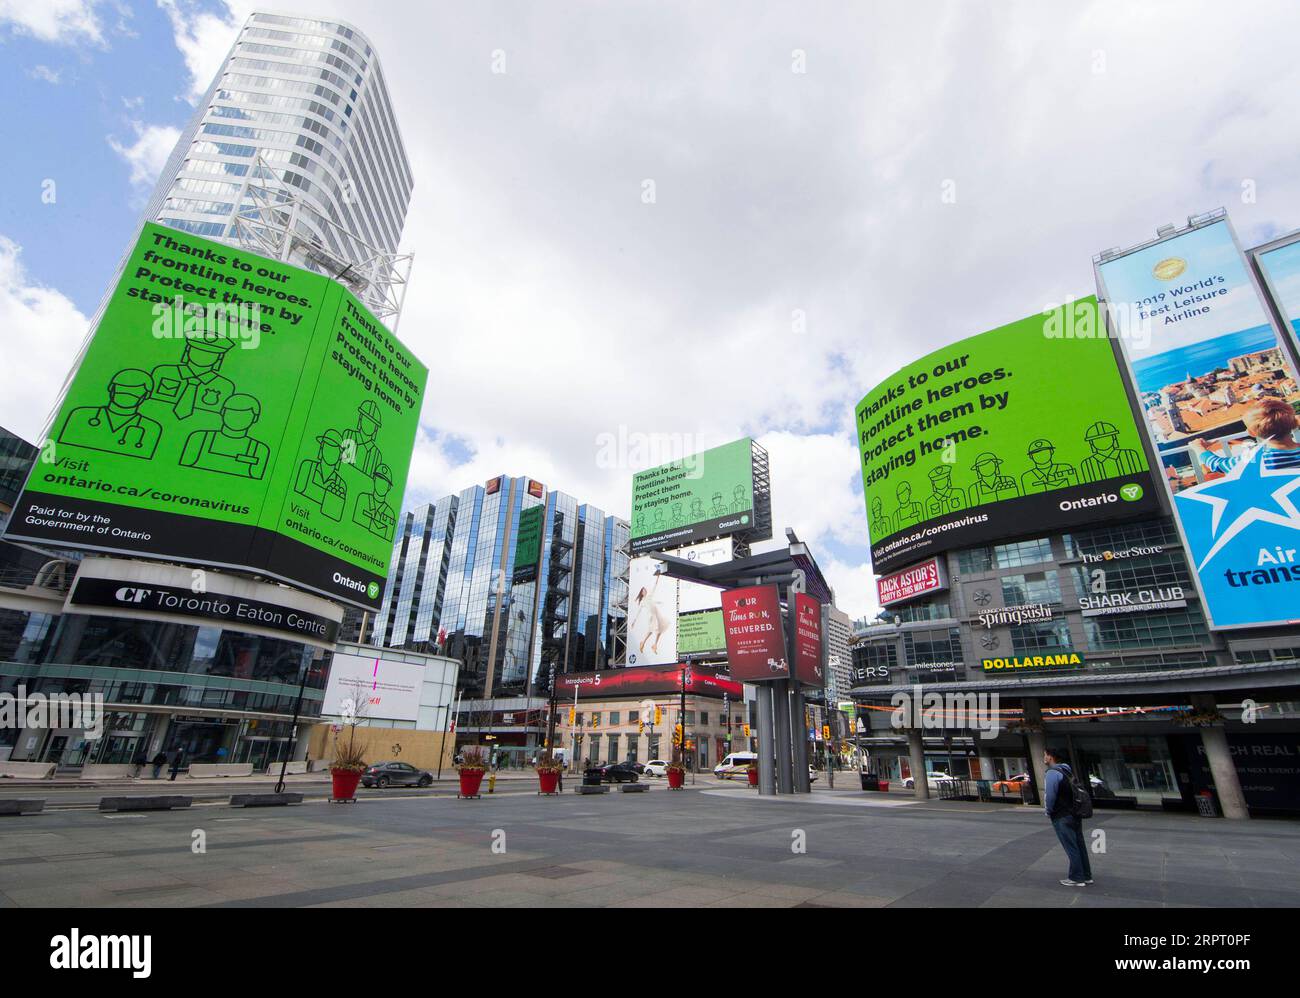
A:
[(1088, 882), (1071, 883)]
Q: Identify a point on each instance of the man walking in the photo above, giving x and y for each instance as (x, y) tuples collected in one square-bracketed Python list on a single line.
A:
[(1058, 801)]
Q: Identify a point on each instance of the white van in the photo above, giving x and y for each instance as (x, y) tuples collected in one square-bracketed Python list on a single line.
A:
[(735, 765)]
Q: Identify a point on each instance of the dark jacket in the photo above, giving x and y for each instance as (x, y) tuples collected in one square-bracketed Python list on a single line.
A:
[(1058, 797)]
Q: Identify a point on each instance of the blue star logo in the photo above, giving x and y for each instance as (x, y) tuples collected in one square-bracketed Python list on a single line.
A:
[(1234, 501)]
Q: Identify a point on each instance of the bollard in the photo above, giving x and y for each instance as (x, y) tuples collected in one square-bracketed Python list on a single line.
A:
[(492, 781)]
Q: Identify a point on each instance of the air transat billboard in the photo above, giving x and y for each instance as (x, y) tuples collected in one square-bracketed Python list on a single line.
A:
[(1021, 429), (232, 411), (1219, 398)]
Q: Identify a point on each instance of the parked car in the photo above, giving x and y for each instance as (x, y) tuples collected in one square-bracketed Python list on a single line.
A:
[(655, 767), (735, 765), (1011, 785), (402, 774), (932, 779), (617, 772)]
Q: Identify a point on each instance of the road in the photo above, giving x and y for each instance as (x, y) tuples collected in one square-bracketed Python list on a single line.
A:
[(710, 846)]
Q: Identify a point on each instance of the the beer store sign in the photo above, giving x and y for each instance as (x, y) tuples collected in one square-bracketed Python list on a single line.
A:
[(1025, 613), (1110, 604)]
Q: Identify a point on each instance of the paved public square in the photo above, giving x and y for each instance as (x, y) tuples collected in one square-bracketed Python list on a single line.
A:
[(712, 845)]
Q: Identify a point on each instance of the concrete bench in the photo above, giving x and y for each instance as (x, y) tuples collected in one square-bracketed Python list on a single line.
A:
[(633, 788), (27, 770), (109, 771), (205, 770), (164, 802), (19, 805), (292, 769), (264, 800), (585, 788)]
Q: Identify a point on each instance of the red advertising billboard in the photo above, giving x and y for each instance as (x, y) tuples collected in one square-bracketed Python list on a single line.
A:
[(909, 583), (808, 641), (643, 680), (751, 621)]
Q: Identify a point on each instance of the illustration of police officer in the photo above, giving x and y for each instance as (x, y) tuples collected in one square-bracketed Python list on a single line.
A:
[(196, 383), (944, 498), (118, 427)]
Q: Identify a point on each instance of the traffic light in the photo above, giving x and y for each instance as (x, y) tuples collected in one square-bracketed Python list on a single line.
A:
[(746, 729), (826, 732), (640, 727), (659, 715), (572, 713), (677, 734)]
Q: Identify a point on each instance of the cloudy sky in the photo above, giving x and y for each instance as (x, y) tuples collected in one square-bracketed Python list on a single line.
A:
[(838, 188)]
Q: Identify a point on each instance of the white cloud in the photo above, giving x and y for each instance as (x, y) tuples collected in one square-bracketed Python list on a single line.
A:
[(146, 156), (204, 38), (42, 72), (854, 584), (66, 22), (46, 329)]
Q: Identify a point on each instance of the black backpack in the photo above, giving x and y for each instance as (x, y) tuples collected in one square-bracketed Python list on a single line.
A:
[(1079, 801)]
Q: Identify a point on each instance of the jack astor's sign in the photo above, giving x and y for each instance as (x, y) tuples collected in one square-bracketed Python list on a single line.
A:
[(1026, 613), (1032, 663)]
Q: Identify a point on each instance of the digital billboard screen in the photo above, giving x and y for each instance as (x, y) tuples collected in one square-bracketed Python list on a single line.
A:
[(1219, 398), (808, 641), (234, 411), (617, 684), (752, 621), (528, 544), (708, 494), (1023, 428)]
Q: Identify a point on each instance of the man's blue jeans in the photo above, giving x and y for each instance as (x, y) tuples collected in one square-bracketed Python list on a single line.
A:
[(1069, 830)]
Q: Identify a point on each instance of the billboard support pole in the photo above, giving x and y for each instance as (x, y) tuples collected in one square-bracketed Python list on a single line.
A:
[(766, 750), (784, 741), (293, 725)]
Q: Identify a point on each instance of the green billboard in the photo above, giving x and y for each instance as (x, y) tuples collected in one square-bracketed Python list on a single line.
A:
[(700, 633), (1020, 429), (528, 544), (232, 411), (709, 494)]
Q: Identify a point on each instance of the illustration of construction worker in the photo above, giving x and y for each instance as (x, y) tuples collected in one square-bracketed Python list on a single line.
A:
[(359, 443), (697, 510), (230, 450), (943, 498), (373, 512), (909, 511), (740, 501), (118, 427), (1046, 474), (196, 383), (991, 485), (1108, 459), (320, 481)]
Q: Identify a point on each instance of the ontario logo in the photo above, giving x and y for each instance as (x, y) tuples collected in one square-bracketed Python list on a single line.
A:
[(1131, 492)]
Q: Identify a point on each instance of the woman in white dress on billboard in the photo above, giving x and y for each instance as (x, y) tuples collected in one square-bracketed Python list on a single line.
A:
[(659, 620)]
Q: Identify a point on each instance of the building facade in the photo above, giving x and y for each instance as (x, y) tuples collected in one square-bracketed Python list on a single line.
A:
[(294, 153), (457, 587), (1096, 637)]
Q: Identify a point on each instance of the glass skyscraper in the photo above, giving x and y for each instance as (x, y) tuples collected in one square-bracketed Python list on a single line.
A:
[(453, 587), (308, 99)]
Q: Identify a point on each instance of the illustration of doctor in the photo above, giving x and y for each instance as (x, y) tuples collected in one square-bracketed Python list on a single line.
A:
[(117, 428)]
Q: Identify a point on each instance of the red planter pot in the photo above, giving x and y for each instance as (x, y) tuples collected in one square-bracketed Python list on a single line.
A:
[(753, 777), (675, 779), (470, 781), (345, 783), (884, 785), (548, 781)]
